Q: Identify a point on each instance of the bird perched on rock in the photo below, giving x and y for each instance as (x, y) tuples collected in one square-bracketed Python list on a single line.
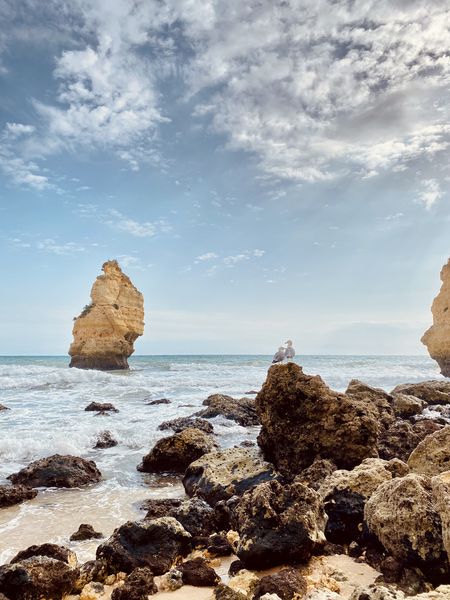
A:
[(289, 352), (279, 356)]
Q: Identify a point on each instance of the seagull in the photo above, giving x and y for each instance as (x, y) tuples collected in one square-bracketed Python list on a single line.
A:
[(279, 356), (289, 352)]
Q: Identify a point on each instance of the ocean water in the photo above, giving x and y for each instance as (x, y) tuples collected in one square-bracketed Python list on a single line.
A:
[(47, 401)]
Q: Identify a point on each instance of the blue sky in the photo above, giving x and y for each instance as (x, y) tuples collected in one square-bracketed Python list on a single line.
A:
[(261, 170)]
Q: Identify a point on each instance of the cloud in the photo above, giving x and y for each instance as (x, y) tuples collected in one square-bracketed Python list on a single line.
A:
[(18, 129), (207, 256), (231, 261), (23, 173), (136, 228), (68, 248), (430, 193)]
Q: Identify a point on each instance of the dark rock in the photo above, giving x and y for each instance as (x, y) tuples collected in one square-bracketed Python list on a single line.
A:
[(85, 532), (138, 586), (303, 419), (251, 393), (236, 566), (377, 397), (58, 471), (218, 545), (392, 569), (160, 507), (176, 452), (402, 438), (155, 544), (101, 407), (197, 517), (247, 444), (278, 524), (37, 577), (224, 592), (105, 440), (314, 475), (432, 392), (220, 475), (181, 423), (243, 411), (345, 510), (92, 570), (15, 494), (3, 407), (60, 553), (329, 549), (286, 583), (197, 572), (159, 401), (406, 406)]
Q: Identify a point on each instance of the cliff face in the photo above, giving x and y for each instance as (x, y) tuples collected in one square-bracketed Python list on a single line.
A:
[(105, 331), (437, 337)]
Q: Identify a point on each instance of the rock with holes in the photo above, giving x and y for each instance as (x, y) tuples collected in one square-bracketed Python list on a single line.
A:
[(432, 455), (286, 584), (181, 423), (198, 573), (58, 471), (242, 411), (15, 494), (139, 585), (437, 337)]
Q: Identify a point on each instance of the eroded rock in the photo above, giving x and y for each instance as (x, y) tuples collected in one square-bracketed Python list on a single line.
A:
[(432, 455), (101, 407), (437, 337), (138, 586), (286, 584), (105, 440), (197, 572), (15, 494), (58, 471), (243, 410), (181, 423), (60, 553), (85, 532), (431, 392)]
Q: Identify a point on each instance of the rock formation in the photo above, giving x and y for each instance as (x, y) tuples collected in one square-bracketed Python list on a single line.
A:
[(105, 331), (437, 337)]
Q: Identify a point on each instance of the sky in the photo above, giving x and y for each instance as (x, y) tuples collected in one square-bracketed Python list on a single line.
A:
[(261, 170)]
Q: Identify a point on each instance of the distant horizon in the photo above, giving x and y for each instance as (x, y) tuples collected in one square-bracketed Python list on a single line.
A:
[(214, 354)]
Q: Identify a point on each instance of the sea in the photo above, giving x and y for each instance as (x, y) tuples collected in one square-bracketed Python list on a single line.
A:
[(47, 399)]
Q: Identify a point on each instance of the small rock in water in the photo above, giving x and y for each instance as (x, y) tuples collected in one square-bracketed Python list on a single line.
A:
[(58, 471), (160, 507), (105, 440), (247, 444), (2, 407), (15, 494), (181, 423), (243, 411), (101, 407), (159, 401), (85, 532)]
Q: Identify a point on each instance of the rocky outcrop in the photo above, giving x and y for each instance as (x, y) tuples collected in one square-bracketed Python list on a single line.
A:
[(175, 453), (303, 419), (58, 471), (105, 332), (181, 423), (278, 524), (54, 551), (160, 507), (437, 337), (85, 532), (315, 474), (376, 397), (220, 475), (15, 494), (431, 392), (105, 440), (402, 438), (432, 455), (441, 496), (406, 406), (198, 573), (286, 584), (242, 411), (139, 585)]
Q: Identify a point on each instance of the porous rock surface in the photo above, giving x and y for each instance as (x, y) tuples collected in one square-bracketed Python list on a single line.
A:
[(431, 392), (15, 494), (432, 455), (54, 551), (58, 471), (402, 437), (181, 423), (441, 496), (286, 584), (302, 419), (138, 586), (437, 337), (241, 410), (105, 439), (105, 331), (85, 532), (198, 573)]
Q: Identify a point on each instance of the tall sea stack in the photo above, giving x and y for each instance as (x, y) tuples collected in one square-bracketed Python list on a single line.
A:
[(105, 331), (437, 337)]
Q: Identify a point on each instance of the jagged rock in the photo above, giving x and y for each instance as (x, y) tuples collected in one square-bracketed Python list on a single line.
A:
[(236, 566), (60, 553), (93, 591), (224, 592), (244, 582), (105, 332), (220, 475), (155, 544), (402, 438), (315, 474), (197, 517), (3, 407), (160, 507), (170, 581), (322, 595), (375, 397), (401, 515), (431, 392), (302, 419), (15, 494), (197, 572), (37, 577), (101, 407), (58, 471), (218, 545), (138, 586), (85, 532), (432, 455), (176, 452), (105, 440), (159, 401), (437, 337), (441, 496), (407, 406), (181, 423), (242, 411), (286, 583), (278, 524), (92, 570)]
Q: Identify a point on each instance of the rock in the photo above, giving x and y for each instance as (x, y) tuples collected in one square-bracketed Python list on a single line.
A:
[(247, 444), (407, 406), (242, 411), (60, 553), (401, 515), (244, 582), (286, 583), (431, 392), (220, 475), (402, 438), (322, 595), (236, 566), (426, 427), (224, 592), (160, 507), (181, 423), (441, 497), (176, 452), (92, 570), (138, 586), (345, 511), (316, 473), (171, 581), (58, 471), (101, 407), (105, 440), (432, 455), (197, 517), (159, 401), (375, 397), (155, 544), (303, 419), (15, 494), (3, 407), (93, 591), (218, 545), (437, 337), (278, 524), (270, 597), (197, 572), (85, 532), (37, 577), (105, 331), (376, 592)]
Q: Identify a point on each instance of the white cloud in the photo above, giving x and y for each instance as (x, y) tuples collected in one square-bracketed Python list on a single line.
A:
[(231, 261), (430, 193), (22, 172), (136, 228), (18, 129), (128, 261), (207, 256), (67, 248)]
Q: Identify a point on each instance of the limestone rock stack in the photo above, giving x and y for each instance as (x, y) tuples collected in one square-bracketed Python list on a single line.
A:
[(437, 337), (105, 331)]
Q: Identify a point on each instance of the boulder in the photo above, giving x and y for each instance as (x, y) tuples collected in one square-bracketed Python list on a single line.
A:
[(181, 423), (138, 586), (176, 452), (218, 545), (303, 419), (224, 592), (160, 507), (37, 577), (286, 584), (403, 437), (376, 397), (401, 515), (220, 475), (101, 407), (105, 331), (58, 471), (441, 496), (15, 494), (243, 411), (432, 455), (315, 474), (159, 401), (3, 407), (197, 517), (437, 337), (406, 406), (92, 570), (155, 544), (431, 392), (170, 581), (197, 572), (60, 553), (105, 440), (85, 532), (93, 591), (278, 524)]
